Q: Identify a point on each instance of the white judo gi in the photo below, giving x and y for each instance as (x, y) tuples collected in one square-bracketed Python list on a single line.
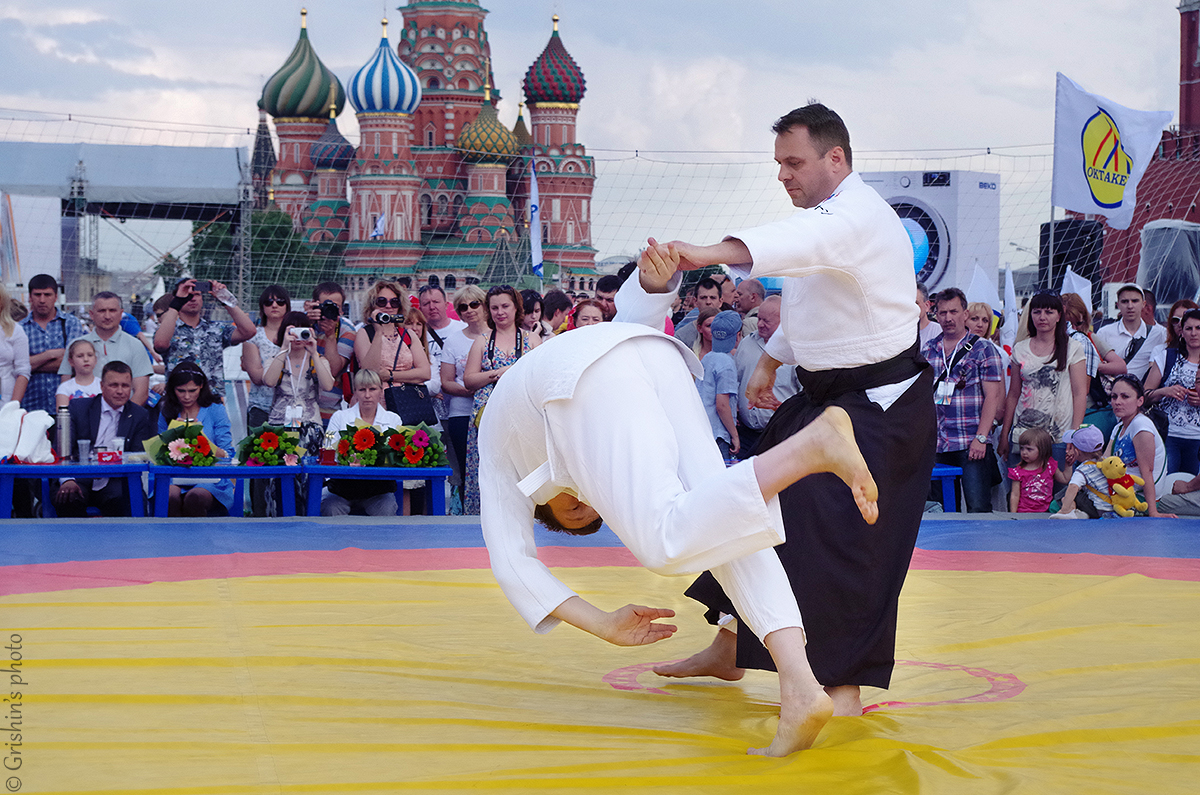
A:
[(611, 414)]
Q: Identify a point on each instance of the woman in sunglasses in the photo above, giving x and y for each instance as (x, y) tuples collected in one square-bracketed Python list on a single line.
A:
[(273, 304), (382, 344), (491, 355), (468, 302)]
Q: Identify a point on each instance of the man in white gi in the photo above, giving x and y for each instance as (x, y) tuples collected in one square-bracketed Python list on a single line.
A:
[(656, 477), (850, 325)]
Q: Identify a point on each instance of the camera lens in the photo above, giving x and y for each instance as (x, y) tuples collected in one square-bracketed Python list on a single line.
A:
[(304, 334)]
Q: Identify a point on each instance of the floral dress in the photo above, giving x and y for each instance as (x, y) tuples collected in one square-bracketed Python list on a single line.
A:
[(493, 359)]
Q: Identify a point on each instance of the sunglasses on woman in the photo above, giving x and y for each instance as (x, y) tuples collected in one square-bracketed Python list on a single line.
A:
[(472, 305), (275, 302), (382, 302)]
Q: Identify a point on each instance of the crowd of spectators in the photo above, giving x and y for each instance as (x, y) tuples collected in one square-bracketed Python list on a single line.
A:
[(433, 357)]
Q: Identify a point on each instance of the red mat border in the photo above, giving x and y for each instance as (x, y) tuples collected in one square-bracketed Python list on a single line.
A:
[(49, 577)]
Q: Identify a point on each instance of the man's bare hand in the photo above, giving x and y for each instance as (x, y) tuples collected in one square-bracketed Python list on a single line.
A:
[(760, 389), (691, 257), (656, 265), (67, 491), (633, 625)]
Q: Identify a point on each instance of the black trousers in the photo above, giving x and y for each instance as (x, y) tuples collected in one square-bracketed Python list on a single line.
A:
[(847, 574)]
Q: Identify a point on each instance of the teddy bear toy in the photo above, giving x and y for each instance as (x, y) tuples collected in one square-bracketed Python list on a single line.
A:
[(1121, 496)]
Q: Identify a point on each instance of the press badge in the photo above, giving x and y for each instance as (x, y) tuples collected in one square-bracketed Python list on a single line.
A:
[(943, 393)]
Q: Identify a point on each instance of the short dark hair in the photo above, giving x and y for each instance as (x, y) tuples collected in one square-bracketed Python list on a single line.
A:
[(116, 366), (708, 283), (324, 288), (425, 288), (923, 290), (952, 292), (555, 301), (825, 128), (43, 281), (627, 270), (546, 517), (609, 283), (108, 295)]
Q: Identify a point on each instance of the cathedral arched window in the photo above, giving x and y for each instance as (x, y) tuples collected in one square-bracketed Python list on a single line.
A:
[(434, 83), (458, 206), (464, 84), (426, 205), (434, 281), (443, 205), (429, 133), (451, 281), (545, 233)]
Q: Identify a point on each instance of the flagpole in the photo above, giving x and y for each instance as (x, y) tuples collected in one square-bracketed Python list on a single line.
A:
[(1050, 260)]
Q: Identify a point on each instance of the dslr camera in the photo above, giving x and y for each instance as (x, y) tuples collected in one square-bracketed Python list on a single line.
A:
[(330, 310)]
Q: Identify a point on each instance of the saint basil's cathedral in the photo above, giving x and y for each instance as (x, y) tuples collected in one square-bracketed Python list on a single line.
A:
[(437, 191)]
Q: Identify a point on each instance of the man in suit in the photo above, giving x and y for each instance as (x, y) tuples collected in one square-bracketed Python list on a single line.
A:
[(99, 420)]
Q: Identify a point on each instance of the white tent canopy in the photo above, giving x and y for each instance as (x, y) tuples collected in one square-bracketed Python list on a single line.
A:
[(118, 174)]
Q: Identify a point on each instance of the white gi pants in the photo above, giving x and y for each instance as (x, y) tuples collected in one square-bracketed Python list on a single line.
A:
[(641, 452)]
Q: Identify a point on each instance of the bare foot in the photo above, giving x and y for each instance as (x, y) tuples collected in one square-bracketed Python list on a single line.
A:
[(801, 719), (829, 441), (718, 660), (847, 700)]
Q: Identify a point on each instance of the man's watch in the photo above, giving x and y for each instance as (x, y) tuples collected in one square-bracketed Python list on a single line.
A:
[(979, 437)]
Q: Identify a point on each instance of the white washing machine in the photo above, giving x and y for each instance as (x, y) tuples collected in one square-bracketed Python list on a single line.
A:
[(952, 218)]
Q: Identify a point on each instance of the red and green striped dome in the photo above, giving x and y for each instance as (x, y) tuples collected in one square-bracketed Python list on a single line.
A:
[(554, 76)]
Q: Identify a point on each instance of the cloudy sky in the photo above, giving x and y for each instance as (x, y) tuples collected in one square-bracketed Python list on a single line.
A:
[(699, 76)]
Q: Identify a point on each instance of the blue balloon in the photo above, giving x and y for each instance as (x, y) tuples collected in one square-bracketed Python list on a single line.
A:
[(920, 243)]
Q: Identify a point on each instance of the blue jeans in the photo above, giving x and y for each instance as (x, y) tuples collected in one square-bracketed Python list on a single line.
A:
[(1183, 455), (977, 479)]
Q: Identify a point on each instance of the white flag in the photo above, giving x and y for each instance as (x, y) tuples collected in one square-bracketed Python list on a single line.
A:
[(1012, 311), (535, 223), (982, 288), (1101, 150), (380, 227), (1074, 283)]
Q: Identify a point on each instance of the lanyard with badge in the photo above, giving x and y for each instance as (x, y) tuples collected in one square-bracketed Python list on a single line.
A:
[(294, 413), (944, 387)]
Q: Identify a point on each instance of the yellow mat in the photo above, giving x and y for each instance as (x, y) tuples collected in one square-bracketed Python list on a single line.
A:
[(428, 682)]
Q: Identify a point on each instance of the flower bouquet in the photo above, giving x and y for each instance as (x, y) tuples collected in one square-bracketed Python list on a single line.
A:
[(406, 446), (271, 445), (184, 444)]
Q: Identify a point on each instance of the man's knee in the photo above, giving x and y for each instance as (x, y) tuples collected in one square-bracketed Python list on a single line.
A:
[(381, 505), (333, 505)]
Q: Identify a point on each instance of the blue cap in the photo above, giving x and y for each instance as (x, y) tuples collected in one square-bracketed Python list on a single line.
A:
[(725, 328)]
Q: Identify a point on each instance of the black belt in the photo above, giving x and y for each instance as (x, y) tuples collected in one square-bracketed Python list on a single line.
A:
[(823, 386)]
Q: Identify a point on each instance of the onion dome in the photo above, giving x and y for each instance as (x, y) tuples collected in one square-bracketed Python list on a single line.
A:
[(486, 140), (301, 87), (554, 76), (332, 150), (385, 84), (520, 131)]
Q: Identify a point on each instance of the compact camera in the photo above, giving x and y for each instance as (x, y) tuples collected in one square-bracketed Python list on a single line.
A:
[(302, 334), (383, 318), (203, 286), (330, 310)]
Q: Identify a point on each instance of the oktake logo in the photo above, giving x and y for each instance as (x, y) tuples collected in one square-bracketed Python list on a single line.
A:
[(1105, 163)]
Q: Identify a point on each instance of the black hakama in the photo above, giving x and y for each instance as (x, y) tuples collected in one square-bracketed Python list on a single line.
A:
[(847, 574)]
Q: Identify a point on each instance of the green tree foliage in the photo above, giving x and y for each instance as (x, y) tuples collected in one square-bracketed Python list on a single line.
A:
[(278, 255)]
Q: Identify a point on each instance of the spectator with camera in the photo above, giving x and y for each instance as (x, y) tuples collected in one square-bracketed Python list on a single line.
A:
[(298, 373), (184, 335), (335, 341), (384, 345)]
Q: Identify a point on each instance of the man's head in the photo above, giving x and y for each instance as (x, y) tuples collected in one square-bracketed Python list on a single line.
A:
[(749, 294), (768, 316), (812, 148), (116, 383), (1130, 303), (923, 302), (564, 513), (952, 312), (555, 306), (433, 305), (708, 294), (606, 294), (728, 289), (43, 294), (1149, 305), (329, 291), (106, 312)]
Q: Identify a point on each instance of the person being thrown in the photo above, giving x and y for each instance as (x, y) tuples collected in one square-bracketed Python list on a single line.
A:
[(657, 479)]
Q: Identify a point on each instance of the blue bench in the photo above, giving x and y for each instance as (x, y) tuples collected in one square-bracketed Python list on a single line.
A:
[(948, 475)]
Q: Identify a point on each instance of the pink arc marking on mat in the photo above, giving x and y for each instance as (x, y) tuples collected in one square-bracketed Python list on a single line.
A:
[(1003, 686)]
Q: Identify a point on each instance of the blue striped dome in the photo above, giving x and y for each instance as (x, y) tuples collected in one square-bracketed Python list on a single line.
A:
[(385, 84)]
